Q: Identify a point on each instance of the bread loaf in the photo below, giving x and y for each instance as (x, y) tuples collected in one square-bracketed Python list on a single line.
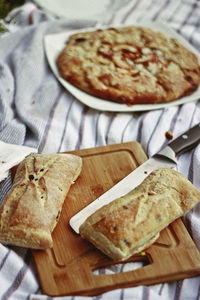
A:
[(133, 222), (31, 209)]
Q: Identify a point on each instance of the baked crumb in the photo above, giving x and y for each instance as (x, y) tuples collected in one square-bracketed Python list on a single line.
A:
[(169, 135)]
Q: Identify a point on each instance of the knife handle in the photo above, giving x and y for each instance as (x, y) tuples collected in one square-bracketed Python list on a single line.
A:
[(186, 141)]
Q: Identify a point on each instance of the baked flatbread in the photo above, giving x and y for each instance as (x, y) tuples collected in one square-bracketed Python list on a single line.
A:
[(132, 65)]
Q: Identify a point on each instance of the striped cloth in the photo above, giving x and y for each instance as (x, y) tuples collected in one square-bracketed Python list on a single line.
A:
[(37, 112)]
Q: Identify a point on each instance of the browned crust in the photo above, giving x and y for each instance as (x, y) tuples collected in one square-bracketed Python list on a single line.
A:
[(31, 209), (128, 224), (131, 65)]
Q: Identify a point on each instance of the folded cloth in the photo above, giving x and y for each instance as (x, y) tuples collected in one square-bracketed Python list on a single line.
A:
[(10, 156)]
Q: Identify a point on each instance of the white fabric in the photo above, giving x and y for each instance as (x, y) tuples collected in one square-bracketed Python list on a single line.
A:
[(35, 111), (10, 156)]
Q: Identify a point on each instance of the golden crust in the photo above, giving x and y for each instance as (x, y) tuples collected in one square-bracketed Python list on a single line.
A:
[(133, 222), (129, 65), (31, 209)]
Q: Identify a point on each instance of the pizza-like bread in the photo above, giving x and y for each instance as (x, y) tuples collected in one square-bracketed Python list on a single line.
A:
[(132, 65)]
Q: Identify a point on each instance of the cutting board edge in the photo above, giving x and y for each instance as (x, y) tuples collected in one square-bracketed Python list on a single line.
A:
[(89, 292)]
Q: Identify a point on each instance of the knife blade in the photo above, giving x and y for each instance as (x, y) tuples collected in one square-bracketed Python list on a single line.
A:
[(165, 158)]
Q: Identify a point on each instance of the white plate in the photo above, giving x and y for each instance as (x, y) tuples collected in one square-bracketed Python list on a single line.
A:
[(82, 9), (54, 43)]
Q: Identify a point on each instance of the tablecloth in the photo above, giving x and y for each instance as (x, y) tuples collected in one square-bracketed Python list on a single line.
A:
[(36, 111)]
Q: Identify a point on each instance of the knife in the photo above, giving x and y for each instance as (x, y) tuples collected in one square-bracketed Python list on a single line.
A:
[(165, 158)]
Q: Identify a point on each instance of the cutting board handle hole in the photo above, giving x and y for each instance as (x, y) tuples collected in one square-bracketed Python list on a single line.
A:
[(134, 263)]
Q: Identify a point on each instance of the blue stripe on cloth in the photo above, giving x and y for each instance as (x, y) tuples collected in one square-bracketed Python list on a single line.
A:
[(48, 125), (18, 279), (5, 186), (4, 259)]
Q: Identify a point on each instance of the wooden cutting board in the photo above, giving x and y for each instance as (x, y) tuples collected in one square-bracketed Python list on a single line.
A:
[(68, 268)]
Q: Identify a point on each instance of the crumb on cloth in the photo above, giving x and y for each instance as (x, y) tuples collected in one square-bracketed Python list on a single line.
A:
[(169, 135)]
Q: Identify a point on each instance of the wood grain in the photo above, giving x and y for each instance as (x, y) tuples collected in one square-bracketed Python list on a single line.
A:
[(68, 268)]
